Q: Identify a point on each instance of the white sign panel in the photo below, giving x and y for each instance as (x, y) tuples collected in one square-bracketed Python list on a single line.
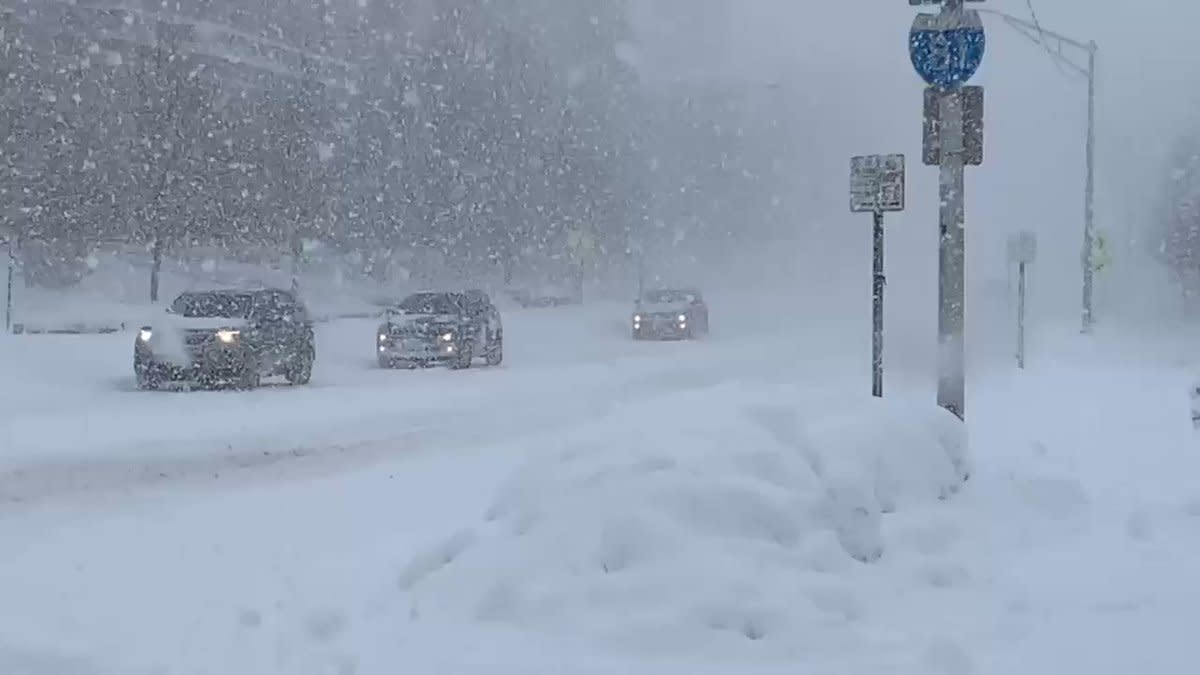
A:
[(877, 183), (1022, 247)]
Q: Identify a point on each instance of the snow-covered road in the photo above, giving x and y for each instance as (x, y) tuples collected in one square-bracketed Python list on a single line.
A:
[(306, 530), (71, 420)]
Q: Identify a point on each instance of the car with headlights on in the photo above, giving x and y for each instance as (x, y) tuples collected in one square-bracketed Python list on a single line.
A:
[(230, 336), (669, 313), (441, 328)]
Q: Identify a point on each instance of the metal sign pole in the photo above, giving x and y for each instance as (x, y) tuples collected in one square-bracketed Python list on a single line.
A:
[(8, 303), (1021, 315), (1022, 251), (877, 185), (946, 50), (951, 393), (877, 315)]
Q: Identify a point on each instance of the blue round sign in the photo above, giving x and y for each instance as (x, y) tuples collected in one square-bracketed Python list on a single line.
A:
[(947, 49)]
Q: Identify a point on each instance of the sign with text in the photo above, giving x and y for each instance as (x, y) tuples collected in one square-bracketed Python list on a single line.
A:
[(876, 183), (970, 99)]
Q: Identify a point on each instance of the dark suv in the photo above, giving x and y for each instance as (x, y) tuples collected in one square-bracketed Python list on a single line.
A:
[(433, 328), (227, 337), (670, 313)]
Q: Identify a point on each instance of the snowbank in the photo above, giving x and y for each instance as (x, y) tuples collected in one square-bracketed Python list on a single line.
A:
[(700, 521)]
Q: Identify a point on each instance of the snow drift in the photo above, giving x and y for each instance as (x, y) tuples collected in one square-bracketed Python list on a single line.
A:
[(716, 517)]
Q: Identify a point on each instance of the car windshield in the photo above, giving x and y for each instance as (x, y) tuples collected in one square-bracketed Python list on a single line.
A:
[(213, 305), (429, 303), (668, 297)]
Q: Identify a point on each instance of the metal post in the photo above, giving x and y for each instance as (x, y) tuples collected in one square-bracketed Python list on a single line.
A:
[(951, 393), (1021, 314), (641, 276), (877, 329), (296, 244), (1089, 194), (8, 304)]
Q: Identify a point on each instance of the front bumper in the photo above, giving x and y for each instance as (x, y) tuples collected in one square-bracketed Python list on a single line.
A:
[(418, 350), (661, 328), (216, 362)]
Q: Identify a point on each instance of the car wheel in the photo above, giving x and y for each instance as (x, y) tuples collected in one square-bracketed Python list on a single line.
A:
[(301, 373), (465, 356), (250, 378), (386, 363), (147, 380), (496, 356)]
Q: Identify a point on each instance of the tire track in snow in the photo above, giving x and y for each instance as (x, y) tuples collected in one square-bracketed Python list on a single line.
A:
[(209, 465)]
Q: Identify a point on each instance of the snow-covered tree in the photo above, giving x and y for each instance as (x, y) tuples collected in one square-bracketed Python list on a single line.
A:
[(474, 133)]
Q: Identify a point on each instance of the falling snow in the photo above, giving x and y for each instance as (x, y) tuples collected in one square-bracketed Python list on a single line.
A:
[(584, 500)]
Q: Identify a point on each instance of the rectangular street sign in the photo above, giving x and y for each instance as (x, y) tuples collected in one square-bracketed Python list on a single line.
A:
[(971, 98), (876, 183), (1022, 247)]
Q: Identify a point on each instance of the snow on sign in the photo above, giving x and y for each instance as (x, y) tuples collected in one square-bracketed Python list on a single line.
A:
[(1022, 247), (947, 48), (876, 183)]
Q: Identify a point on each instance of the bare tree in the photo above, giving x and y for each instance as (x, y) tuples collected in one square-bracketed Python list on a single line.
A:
[(172, 108)]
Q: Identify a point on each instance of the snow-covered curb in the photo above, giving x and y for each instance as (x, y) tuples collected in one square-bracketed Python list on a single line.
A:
[(713, 516)]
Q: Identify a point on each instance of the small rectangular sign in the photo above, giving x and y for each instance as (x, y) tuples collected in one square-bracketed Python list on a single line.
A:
[(971, 99), (877, 183), (1022, 247)]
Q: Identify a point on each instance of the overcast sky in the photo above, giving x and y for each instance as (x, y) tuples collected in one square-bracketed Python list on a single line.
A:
[(850, 58)]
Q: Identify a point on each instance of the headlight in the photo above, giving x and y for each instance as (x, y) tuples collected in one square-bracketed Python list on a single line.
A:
[(637, 318), (382, 337), (145, 334), (682, 318), (227, 336), (447, 337)]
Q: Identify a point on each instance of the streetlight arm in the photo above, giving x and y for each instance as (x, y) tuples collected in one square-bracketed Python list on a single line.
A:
[(1038, 34), (1060, 59), (1028, 25)]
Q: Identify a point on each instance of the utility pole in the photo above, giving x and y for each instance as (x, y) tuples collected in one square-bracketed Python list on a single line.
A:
[(1089, 211), (1042, 36), (946, 50)]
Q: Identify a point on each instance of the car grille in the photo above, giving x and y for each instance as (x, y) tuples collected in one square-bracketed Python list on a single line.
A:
[(414, 330), (197, 341), (198, 337), (661, 321)]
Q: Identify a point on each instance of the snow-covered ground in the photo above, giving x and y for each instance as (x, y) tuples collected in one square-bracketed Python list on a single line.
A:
[(597, 505)]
